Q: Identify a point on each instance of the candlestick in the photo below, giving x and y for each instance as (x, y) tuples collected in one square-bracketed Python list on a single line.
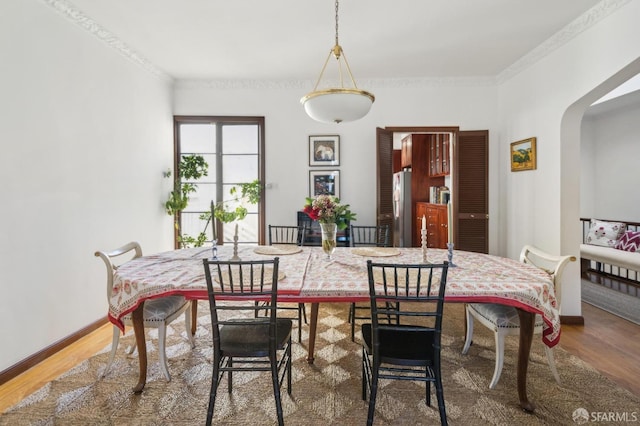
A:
[(423, 234), (235, 245), (450, 254), (449, 223), (213, 221)]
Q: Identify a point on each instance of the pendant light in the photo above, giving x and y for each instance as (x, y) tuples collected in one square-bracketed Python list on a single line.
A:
[(337, 104)]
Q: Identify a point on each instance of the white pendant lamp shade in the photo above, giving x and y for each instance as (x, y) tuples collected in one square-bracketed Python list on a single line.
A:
[(337, 105)]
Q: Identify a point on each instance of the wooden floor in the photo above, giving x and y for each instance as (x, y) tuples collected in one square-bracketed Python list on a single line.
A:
[(609, 343)]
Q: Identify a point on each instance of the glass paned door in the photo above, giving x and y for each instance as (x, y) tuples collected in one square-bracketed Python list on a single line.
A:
[(232, 147)]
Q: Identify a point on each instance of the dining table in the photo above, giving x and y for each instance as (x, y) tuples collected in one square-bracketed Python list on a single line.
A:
[(308, 275)]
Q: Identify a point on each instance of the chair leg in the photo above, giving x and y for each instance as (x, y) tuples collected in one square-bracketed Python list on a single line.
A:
[(162, 355), (469, 335), (499, 360), (276, 390), (440, 397), (352, 320), (187, 326), (289, 361), (300, 309), (372, 395), (304, 312), (230, 375), (552, 363), (114, 346), (213, 391)]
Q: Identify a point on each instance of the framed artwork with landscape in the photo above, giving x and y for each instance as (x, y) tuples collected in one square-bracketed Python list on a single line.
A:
[(324, 150), (523, 155), (324, 182)]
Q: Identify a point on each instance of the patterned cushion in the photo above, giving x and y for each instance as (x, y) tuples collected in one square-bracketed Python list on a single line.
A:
[(630, 241), (158, 310), (502, 316), (605, 233)]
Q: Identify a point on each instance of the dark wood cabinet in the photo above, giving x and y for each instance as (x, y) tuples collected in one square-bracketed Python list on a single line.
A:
[(439, 158), (436, 223), (407, 151)]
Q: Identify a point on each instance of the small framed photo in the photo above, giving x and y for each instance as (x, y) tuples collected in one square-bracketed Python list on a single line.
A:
[(324, 182), (523, 155), (324, 150)]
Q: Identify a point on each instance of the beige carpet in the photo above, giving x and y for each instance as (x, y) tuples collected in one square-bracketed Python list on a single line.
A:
[(326, 393)]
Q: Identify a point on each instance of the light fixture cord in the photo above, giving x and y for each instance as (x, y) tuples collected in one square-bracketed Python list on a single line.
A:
[(337, 4)]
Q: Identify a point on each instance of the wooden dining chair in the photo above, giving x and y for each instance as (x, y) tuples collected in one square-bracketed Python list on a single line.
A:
[(410, 348), (158, 313), (365, 236), (242, 340), (290, 235), (504, 320)]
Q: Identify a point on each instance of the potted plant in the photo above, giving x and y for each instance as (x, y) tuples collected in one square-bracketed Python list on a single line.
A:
[(192, 168)]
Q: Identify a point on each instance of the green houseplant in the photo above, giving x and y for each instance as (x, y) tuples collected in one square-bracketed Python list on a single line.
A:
[(192, 168)]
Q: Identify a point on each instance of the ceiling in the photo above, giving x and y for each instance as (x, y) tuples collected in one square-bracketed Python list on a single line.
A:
[(290, 39)]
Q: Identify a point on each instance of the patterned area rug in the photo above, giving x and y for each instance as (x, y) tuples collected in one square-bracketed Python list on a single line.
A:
[(325, 393)]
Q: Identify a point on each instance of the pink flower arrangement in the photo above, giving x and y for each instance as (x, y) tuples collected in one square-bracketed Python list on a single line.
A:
[(327, 209)]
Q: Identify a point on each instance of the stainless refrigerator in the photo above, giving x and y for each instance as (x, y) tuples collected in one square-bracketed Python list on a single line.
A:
[(402, 235)]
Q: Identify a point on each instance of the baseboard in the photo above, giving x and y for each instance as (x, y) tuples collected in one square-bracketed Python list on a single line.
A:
[(22, 366), (572, 319)]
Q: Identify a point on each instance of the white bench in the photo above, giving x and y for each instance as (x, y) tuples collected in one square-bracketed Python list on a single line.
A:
[(609, 260)]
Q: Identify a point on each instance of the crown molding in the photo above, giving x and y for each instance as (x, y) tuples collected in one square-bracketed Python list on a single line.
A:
[(559, 39), (73, 14)]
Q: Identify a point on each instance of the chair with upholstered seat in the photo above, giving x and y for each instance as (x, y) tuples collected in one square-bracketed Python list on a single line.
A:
[(242, 340), (410, 348), (290, 235), (158, 313), (365, 236), (504, 320)]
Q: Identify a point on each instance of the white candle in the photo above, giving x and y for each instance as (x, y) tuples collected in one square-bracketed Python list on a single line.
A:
[(424, 222), (450, 222), (236, 230)]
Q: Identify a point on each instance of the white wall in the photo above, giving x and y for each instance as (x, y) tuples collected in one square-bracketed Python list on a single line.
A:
[(86, 134), (547, 100), (288, 129), (610, 146)]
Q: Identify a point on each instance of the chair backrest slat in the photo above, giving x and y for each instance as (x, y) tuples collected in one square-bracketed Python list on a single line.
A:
[(397, 290), (372, 236), (234, 286), (284, 234)]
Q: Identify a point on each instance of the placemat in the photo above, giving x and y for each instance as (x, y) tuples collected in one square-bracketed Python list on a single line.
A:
[(376, 251), (277, 249)]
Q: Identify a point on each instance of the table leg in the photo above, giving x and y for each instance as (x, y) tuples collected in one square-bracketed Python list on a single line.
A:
[(527, 322), (138, 328), (313, 323)]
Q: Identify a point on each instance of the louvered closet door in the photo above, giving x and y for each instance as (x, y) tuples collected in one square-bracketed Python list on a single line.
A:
[(471, 194), (384, 176)]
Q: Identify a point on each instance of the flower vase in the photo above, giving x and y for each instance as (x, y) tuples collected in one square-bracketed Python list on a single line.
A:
[(329, 231)]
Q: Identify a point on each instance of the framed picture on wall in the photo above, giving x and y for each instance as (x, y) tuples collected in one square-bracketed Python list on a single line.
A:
[(523, 155), (324, 150), (324, 182)]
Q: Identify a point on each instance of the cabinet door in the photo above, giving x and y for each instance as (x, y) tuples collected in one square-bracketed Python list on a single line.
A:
[(407, 147), (433, 227), (439, 155)]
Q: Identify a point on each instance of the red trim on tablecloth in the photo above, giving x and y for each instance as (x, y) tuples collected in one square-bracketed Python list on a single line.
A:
[(292, 296)]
